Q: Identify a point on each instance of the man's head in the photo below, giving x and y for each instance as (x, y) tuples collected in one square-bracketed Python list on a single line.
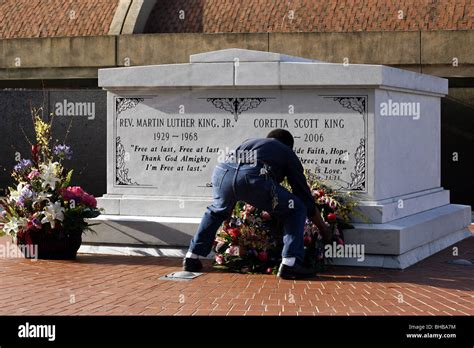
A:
[(283, 136)]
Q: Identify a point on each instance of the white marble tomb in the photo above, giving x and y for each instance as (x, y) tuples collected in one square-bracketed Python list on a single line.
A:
[(370, 129)]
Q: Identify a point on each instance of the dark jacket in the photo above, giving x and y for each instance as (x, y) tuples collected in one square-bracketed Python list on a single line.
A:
[(282, 162)]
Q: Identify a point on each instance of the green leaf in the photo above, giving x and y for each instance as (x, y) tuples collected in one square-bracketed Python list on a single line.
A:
[(67, 180)]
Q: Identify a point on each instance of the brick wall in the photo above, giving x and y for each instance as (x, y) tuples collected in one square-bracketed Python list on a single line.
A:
[(46, 18), (213, 16)]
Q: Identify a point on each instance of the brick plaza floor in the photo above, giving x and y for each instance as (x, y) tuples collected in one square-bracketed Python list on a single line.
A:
[(126, 285)]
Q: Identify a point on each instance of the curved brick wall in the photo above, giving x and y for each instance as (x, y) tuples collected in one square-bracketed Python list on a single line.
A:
[(249, 16)]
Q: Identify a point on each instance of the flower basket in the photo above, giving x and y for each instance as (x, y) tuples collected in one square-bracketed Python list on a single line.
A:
[(50, 246), (42, 212)]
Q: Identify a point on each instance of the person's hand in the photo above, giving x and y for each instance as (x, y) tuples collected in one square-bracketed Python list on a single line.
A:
[(326, 234), (322, 227)]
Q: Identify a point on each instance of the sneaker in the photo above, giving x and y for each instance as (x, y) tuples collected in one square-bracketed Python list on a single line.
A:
[(191, 265), (296, 271)]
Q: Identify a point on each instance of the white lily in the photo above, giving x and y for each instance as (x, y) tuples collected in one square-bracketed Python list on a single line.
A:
[(13, 226), (48, 174), (40, 197), (15, 195), (53, 212)]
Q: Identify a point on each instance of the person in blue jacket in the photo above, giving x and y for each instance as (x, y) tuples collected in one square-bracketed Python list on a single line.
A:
[(252, 174)]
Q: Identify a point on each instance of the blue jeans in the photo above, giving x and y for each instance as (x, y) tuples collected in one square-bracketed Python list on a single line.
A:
[(232, 182)]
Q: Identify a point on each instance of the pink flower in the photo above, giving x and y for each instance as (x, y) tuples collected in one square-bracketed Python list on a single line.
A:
[(33, 174), (77, 194), (76, 190), (265, 216), (219, 259), (249, 208), (89, 200), (67, 194)]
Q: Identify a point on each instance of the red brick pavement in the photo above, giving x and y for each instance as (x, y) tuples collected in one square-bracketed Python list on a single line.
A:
[(121, 285)]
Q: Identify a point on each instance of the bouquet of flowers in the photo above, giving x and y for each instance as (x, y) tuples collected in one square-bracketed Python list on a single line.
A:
[(246, 243), (251, 240), (42, 209)]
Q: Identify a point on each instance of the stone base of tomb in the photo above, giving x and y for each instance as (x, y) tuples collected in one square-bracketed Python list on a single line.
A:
[(397, 244)]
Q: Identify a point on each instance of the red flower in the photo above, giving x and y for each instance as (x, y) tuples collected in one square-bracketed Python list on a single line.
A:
[(77, 194), (269, 270), (35, 149), (321, 192), (332, 217), (234, 232), (89, 200), (265, 216), (263, 256), (307, 240)]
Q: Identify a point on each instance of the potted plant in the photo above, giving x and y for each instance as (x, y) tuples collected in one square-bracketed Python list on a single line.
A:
[(43, 213)]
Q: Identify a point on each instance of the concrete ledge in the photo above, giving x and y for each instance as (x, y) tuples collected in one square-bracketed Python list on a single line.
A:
[(237, 55), (149, 207), (409, 258), (48, 73), (269, 74), (132, 250), (397, 245), (56, 52), (400, 236), (441, 46), (383, 261), (173, 75), (390, 48), (388, 209), (143, 231), (399, 49)]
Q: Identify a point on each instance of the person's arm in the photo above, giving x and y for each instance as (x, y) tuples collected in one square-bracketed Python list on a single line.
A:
[(321, 225), (300, 188), (298, 183)]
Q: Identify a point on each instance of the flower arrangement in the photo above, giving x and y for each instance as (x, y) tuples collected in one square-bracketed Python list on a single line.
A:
[(245, 242), (43, 209), (251, 240)]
